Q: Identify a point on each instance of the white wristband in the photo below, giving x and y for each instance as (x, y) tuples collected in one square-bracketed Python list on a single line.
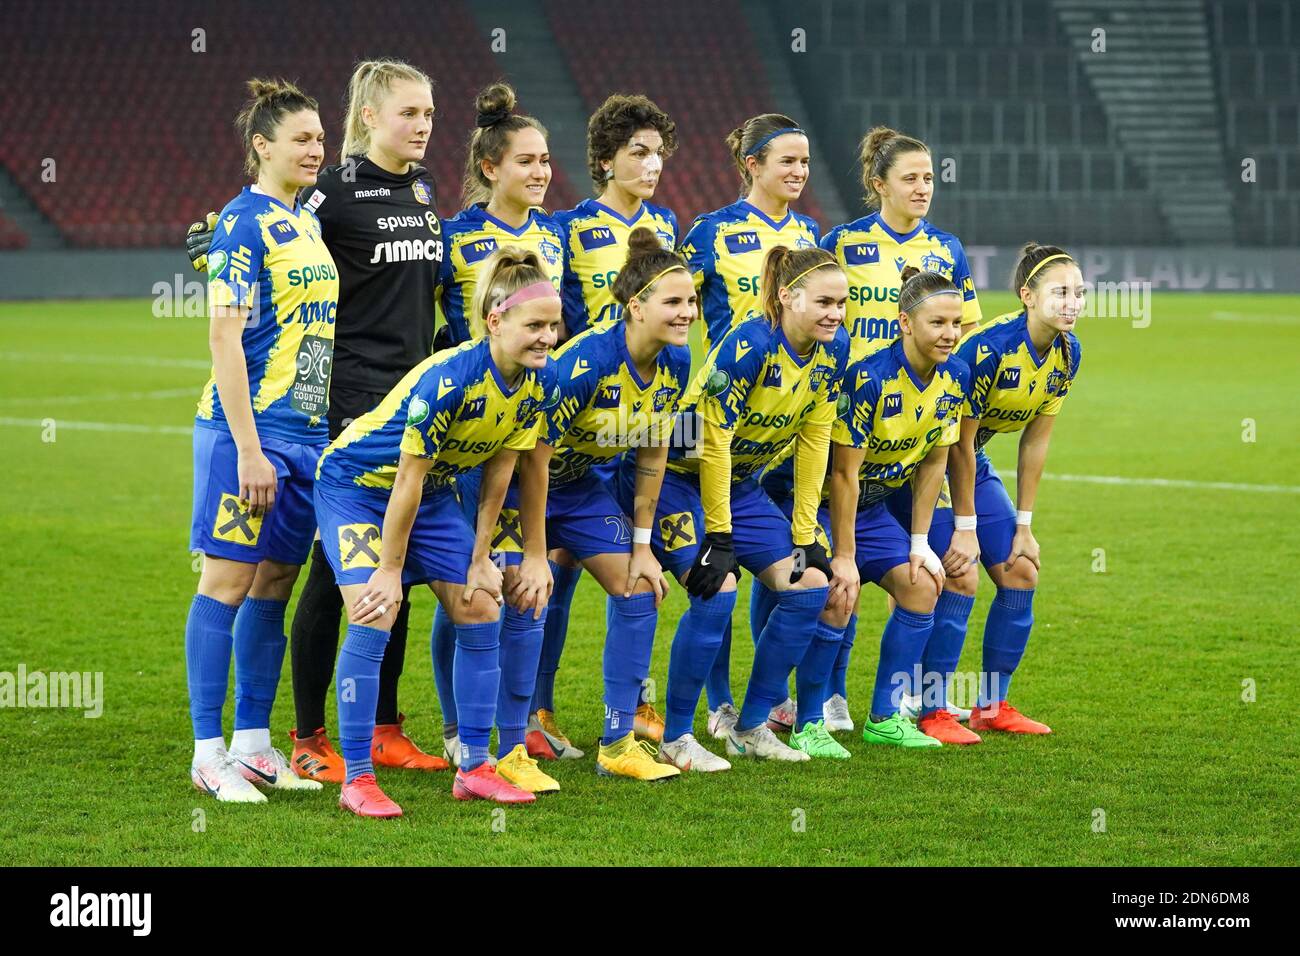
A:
[(964, 522), (1024, 517), (640, 535), (921, 546)]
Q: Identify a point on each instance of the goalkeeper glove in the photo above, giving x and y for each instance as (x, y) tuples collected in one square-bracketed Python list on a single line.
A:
[(197, 239)]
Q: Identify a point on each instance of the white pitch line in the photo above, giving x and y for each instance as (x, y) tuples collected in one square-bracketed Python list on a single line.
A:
[(147, 360), (1177, 483), (1254, 317), (1089, 479), (98, 426), (102, 397)]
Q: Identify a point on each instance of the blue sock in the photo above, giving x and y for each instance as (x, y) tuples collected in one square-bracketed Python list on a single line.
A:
[(901, 647), (1006, 632), (442, 644), (718, 681), (695, 647), (814, 672), (521, 646), (259, 655), (208, 641), (629, 639), (781, 646), (839, 682), (943, 650), (357, 690), (557, 628), (476, 676), (762, 602)]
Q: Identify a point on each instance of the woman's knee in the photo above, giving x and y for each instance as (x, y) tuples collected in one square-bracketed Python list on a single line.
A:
[(1023, 576), (967, 582), (836, 618), (919, 597), (481, 608), (225, 580)]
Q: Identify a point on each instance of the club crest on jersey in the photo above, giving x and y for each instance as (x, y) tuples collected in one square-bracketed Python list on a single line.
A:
[(1055, 379), (282, 231), (803, 242), (1009, 378), (820, 376), (417, 411), (665, 239), (662, 397), (772, 376), (478, 250), (550, 251), (945, 405), (741, 242), (608, 396), (861, 253), (933, 263), (472, 409), (893, 405), (597, 237), (526, 408), (423, 194)]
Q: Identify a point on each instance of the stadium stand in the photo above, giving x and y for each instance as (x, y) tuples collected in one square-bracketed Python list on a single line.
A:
[(144, 149), (11, 237), (708, 78)]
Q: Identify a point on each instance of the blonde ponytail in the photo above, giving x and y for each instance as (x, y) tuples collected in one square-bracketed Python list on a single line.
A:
[(371, 81)]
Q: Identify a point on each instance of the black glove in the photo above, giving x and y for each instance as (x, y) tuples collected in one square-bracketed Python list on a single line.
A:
[(714, 561), (442, 338), (197, 240), (810, 556)]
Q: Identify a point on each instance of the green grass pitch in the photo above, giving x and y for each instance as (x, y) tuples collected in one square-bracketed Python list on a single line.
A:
[(1162, 752)]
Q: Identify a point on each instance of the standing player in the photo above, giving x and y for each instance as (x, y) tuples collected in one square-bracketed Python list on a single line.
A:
[(901, 416), (725, 250), (507, 172), (389, 516), (272, 296), (773, 380), (1024, 364), (628, 139), (898, 178), (619, 384), (379, 218)]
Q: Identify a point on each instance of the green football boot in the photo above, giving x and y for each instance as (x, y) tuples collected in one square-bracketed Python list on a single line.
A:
[(897, 732), (816, 741)]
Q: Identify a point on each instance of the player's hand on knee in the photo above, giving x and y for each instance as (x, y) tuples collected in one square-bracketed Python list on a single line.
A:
[(197, 240), (846, 583), (1024, 545), (922, 556), (713, 562), (383, 593), (963, 551), (482, 575), (642, 565), (531, 589), (257, 481)]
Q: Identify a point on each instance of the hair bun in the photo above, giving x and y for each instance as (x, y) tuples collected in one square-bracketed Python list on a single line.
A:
[(642, 242), (909, 271)]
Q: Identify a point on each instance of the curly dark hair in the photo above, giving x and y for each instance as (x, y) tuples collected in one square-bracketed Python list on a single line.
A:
[(615, 122)]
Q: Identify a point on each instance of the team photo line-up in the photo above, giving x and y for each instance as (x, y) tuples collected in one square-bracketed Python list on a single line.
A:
[(551, 423)]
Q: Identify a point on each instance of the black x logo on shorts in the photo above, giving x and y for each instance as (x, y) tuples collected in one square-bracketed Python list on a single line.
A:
[(239, 519), (360, 544)]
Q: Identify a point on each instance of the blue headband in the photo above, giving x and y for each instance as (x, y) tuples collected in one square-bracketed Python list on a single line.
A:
[(754, 150)]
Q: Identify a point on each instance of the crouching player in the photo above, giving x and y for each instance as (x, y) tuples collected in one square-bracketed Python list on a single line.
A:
[(619, 384), (388, 512), (902, 413), (1022, 365), (772, 380)]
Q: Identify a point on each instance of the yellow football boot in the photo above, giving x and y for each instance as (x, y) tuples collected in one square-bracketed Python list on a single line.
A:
[(629, 757), (522, 770)]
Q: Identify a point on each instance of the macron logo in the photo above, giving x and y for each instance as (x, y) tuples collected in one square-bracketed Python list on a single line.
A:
[(103, 909)]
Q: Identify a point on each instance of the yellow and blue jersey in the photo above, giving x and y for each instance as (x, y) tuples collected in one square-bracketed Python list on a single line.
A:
[(595, 249), (469, 238), (755, 386), (874, 256), (271, 259), (1011, 385), (724, 250), (454, 408), (604, 405), (897, 418)]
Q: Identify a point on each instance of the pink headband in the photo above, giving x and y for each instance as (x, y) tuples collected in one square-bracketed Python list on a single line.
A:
[(541, 289)]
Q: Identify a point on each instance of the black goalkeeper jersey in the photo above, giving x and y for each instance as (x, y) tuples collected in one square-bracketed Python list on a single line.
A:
[(384, 234)]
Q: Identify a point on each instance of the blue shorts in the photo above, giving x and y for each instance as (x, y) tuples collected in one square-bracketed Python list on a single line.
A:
[(351, 520), (995, 516), (582, 517), (759, 531), (879, 541), (220, 525)]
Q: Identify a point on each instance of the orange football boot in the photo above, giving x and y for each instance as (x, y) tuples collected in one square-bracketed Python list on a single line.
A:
[(1002, 716), (364, 798), (648, 723), (315, 759), (390, 747), (943, 727)]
